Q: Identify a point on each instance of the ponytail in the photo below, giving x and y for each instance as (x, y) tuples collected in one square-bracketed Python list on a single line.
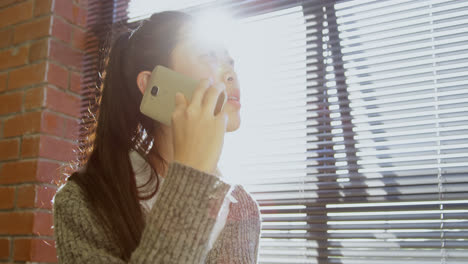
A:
[(107, 177)]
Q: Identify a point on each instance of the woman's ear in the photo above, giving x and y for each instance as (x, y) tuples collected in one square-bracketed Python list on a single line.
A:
[(142, 78)]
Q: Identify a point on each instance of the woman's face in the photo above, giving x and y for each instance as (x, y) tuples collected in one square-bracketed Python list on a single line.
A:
[(201, 59)]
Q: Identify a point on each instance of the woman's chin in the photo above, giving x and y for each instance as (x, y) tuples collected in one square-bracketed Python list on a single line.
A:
[(234, 121)]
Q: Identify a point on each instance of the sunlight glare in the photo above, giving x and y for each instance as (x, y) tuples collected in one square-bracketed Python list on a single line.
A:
[(215, 27)]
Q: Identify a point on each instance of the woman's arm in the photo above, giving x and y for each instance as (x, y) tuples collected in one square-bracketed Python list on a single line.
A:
[(177, 230)]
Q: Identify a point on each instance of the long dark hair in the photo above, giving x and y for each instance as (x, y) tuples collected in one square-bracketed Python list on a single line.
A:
[(106, 175)]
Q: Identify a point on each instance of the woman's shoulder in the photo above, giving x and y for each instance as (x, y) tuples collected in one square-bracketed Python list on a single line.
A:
[(76, 226), (69, 189), (70, 205), (70, 194)]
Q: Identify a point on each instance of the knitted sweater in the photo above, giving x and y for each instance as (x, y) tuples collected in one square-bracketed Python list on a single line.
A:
[(178, 226), (142, 171)]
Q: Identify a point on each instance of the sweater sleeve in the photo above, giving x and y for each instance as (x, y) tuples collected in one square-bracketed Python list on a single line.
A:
[(239, 241), (177, 230)]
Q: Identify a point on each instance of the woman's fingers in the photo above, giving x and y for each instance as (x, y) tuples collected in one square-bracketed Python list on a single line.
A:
[(180, 100), (211, 97), (198, 93), (206, 96), (222, 116)]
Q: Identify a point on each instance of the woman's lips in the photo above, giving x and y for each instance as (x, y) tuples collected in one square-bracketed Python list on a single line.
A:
[(234, 101), (234, 95)]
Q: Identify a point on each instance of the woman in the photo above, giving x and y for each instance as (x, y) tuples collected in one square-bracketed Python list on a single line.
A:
[(102, 214)]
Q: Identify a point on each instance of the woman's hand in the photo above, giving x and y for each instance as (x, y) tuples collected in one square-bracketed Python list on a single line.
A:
[(198, 134)]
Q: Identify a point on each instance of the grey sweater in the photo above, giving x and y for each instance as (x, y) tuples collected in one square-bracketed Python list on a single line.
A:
[(177, 228)]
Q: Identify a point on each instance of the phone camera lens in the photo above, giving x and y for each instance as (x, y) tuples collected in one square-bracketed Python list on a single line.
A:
[(154, 90)]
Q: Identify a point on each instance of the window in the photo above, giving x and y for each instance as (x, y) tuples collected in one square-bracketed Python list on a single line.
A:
[(354, 134)]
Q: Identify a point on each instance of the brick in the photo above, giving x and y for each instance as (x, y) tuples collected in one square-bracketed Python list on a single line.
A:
[(4, 248), (82, 16), (43, 223), (34, 98), (79, 39), (22, 249), (82, 3), (42, 7), (44, 197), (28, 75), (50, 147), (14, 57), (49, 172), (67, 10), (35, 249), (53, 124), (21, 124), (16, 223), (25, 171), (9, 149), (65, 55), (30, 147), (26, 196), (32, 30), (63, 102), (56, 149), (6, 37), (7, 199), (5, 3), (3, 81), (18, 172), (43, 250), (10, 103), (71, 128), (61, 29), (75, 82), (57, 75), (38, 50), (15, 14)]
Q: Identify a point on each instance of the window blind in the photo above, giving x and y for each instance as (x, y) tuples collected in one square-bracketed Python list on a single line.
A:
[(354, 134)]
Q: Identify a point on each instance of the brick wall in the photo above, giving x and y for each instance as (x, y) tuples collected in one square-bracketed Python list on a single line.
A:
[(41, 50)]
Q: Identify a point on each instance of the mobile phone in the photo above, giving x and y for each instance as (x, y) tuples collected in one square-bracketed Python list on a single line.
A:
[(158, 100)]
